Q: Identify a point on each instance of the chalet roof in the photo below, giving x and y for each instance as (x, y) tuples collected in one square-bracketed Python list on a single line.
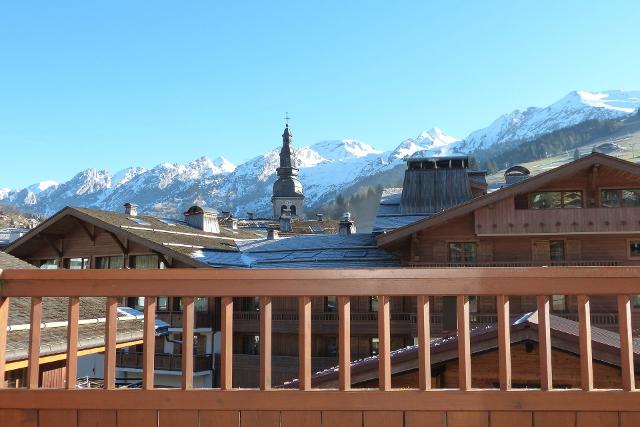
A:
[(512, 190), (299, 226), (305, 251), (55, 327), (169, 237), (564, 333), (10, 262)]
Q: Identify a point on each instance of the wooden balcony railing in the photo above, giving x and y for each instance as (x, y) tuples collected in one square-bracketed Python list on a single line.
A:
[(163, 361), (228, 406), (421, 264)]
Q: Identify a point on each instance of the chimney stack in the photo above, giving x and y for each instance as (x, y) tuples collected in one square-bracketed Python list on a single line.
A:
[(347, 225), (285, 221), (272, 234), (203, 219), (319, 216), (131, 209)]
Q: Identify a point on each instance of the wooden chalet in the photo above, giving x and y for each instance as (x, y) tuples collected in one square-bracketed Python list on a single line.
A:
[(584, 213)]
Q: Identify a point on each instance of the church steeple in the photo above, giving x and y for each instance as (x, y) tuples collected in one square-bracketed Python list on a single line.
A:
[(287, 190)]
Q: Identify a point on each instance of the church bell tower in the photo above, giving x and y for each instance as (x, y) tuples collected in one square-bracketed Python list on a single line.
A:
[(288, 197)]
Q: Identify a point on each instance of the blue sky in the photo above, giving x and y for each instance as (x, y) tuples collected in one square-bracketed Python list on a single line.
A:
[(109, 84)]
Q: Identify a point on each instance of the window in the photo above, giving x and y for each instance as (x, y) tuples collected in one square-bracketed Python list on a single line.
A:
[(144, 262), (332, 346), (330, 304), (251, 344), (555, 199), (374, 345), (556, 250), (615, 198), (48, 264), (373, 304), (76, 263), (293, 209), (201, 304), (163, 304), (634, 249), (110, 262), (462, 252), (636, 301), (558, 303)]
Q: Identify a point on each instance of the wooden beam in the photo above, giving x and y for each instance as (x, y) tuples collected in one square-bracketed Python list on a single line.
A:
[(384, 337), (424, 343), (226, 344), (464, 343), (544, 343), (123, 247), (47, 238), (4, 322), (188, 319), (72, 342), (504, 342), (304, 342), (111, 330), (33, 370), (586, 356), (84, 227), (265, 343), (344, 343), (149, 347), (626, 343)]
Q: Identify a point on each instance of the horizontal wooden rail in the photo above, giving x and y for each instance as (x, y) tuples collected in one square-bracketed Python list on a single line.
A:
[(391, 282)]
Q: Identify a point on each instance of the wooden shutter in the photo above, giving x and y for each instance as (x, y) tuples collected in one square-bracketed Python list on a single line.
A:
[(440, 252), (540, 250), (485, 251), (573, 250)]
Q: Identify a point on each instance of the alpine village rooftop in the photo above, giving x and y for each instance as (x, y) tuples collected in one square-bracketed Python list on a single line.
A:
[(462, 307)]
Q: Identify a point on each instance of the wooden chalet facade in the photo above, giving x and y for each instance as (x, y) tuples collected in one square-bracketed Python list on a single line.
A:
[(584, 213)]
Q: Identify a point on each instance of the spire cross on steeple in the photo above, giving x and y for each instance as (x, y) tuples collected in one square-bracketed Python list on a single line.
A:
[(287, 118)]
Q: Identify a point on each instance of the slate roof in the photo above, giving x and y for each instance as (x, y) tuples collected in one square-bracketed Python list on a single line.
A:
[(445, 348), (388, 216), (54, 326), (305, 251), (10, 262)]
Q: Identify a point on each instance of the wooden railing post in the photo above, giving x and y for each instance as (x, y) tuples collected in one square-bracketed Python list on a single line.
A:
[(4, 322), (464, 343), (111, 314), (504, 341), (226, 343), (265, 343), (304, 342), (149, 344), (544, 343), (586, 358), (424, 343), (188, 322), (72, 342), (344, 345), (33, 370), (384, 337), (626, 343)]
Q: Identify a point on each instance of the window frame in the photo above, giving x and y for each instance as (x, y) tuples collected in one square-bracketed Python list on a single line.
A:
[(462, 242), (562, 197), (629, 243), (620, 191)]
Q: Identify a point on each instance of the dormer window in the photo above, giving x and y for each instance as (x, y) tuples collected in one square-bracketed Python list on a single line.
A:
[(555, 199), (617, 198)]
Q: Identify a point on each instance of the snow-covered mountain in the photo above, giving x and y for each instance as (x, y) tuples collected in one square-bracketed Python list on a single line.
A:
[(326, 167)]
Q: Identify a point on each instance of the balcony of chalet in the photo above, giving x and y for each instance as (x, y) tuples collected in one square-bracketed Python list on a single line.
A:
[(531, 369)]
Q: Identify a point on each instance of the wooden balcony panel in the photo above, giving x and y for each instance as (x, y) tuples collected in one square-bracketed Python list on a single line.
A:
[(505, 220)]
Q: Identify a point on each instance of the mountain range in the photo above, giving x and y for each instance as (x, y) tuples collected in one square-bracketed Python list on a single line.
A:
[(326, 168)]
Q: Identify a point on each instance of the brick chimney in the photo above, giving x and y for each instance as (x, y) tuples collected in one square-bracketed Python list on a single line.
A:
[(131, 209)]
